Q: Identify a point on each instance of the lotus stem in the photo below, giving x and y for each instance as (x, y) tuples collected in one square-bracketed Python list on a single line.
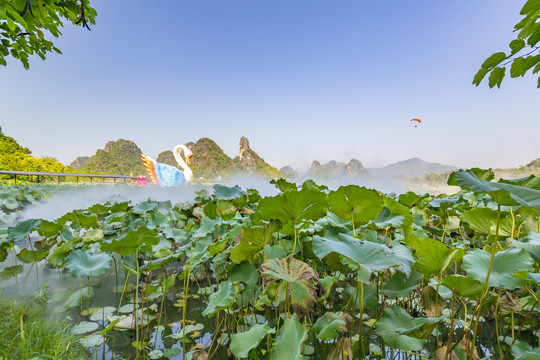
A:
[(497, 324), (186, 286), (295, 239), (484, 289), (137, 304), (360, 285), (452, 324)]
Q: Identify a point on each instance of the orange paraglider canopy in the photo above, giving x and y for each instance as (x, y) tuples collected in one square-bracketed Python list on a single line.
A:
[(417, 120)]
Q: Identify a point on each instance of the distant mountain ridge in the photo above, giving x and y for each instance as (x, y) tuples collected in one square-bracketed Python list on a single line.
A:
[(333, 169), (413, 167), (209, 160), (120, 157)]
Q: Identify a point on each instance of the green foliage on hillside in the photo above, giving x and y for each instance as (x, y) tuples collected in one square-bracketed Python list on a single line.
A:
[(15, 157), (209, 160), (121, 157), (268, 171)]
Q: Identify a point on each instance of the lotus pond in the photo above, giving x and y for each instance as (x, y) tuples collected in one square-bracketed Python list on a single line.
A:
[(310, 273)]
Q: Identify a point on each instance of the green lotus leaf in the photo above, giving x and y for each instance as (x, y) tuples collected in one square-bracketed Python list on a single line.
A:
[(172, 352), (505, 264), (11, 271), (289, 341), (86, 220), (221, 208), (355, 203), (206, 227), (246, 273), (410, 199), (294, 206), (243, 342), (92, 341), (157, 219), (144, 207), (480, 219), (531, 182), (60, 253), (481, 174), (386, 219), (222, 192), (81, 264), (133, 241), (245, 251), (530, 243), (328, 326), (535, 277), (24, 228), (11, 203), (523, 351), (84, 327), (178, 235), (78, 297), (3, 254), (30, 256), (222, 298), (400, 330), (372, 256), (432, 256), (503, 194), (283, 185), (396, 208), (188, 329), (49, 228), (328, 282), (464, 285), (400, 285)]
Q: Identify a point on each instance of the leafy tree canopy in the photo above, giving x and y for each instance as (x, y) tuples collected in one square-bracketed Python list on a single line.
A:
[(524, 53), (24, 25)]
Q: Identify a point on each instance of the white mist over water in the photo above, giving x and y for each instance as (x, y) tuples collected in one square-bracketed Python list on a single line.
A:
[(85, 196)]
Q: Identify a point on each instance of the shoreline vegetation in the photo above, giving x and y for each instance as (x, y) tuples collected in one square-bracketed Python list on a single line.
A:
[(28, 332)]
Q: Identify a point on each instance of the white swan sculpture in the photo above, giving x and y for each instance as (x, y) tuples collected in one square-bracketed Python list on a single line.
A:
[(166, 175)]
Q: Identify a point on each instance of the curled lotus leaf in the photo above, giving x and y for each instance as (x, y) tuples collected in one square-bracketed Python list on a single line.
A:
[(300, 277)]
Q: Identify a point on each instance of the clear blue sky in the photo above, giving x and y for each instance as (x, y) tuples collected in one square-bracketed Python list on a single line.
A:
[(303, 80)]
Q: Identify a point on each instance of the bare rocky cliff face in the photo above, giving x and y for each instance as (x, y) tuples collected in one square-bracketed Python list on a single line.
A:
[(249, 159), (209, 160)]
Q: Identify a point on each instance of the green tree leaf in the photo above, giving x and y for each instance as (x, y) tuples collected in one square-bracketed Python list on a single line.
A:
[(494, 60)]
